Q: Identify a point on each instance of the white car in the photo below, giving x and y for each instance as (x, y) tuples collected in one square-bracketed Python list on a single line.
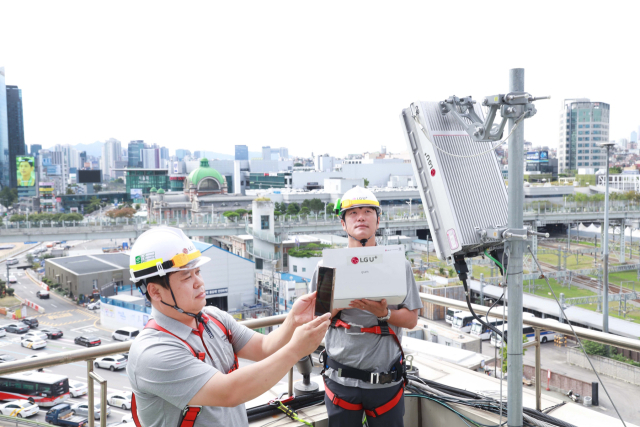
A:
[(12, 279), (125, 334), (3, 332), (76, 388), (121, 400), (19, 408), (111, 362), (35, 334), (33, 343), (127, 418), (83, 409), (94, 305), (11, 261)]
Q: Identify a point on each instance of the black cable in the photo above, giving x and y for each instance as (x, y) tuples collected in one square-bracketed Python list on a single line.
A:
[(486, 316), (553, 408)]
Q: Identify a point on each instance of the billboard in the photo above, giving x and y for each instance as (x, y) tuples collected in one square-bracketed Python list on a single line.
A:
[(136, 193), (90, 176), (537, 156), (26, 171)]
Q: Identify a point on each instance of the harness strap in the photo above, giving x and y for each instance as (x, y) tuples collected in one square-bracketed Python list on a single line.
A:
[(375, 412)]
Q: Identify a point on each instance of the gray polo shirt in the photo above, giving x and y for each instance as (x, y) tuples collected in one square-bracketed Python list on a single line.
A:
[(369, 352), (165, 375)]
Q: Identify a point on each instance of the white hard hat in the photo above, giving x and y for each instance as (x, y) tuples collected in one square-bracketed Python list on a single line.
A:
[(162, 250), (357, 197)]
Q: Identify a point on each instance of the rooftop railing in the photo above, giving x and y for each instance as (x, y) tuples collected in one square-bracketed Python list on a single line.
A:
[(89, 355)]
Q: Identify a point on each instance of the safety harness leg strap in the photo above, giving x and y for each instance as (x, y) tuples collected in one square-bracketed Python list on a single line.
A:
[(376, 412)]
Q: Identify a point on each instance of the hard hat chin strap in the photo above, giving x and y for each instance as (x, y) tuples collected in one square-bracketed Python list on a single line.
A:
[(363, 242)]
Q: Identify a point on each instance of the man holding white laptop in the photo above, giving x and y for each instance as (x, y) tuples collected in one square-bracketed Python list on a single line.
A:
[(363, 362)]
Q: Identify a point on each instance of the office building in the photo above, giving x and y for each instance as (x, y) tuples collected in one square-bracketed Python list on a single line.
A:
[(35, 149), (134, 154), (111, 152), (164, 153), (623, 143), (634, 136), (242, 152), (15, 131), (181, 153), (583, 126), (282, 153), (5, 179), (151, 158)]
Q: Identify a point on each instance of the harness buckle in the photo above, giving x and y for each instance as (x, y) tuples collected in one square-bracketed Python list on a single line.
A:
[(357, 332), (186, 409)]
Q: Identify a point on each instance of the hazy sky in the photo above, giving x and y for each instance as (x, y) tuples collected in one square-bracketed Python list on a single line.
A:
[(314, 77)]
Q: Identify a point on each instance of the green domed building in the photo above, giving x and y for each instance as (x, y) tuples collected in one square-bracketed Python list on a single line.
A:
[(205, 180)]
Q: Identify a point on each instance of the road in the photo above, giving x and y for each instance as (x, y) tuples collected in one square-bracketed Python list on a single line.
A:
[(74, 321)]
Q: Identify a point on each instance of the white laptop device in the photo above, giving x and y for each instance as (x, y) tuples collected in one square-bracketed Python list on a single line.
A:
[(375, 273)]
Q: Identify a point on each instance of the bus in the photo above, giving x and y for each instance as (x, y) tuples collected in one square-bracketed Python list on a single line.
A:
[(527, 331), (450, 312), (43, 389), (481, 331), (462, 321)]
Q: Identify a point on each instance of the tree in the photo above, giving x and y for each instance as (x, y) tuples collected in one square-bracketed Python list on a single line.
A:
[(615, 170), (330, 207), (366, 183), (231, 214), (119, 181), (137, 206), (504, 354), (69, 191), (8, 196), (316, 205), (293, 209), (305, 211), (298, 164), (121, 213), (17, 218), (241, 212), (97, 188)]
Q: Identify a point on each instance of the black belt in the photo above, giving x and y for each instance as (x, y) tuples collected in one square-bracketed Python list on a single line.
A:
[(395, 374)]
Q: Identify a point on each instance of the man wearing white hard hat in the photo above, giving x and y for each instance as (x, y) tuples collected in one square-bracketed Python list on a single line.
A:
[(364, 367), (183, 367)]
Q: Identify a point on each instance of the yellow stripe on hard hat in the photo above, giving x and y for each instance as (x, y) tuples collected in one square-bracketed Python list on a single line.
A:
[(180, 260), (346, 204)]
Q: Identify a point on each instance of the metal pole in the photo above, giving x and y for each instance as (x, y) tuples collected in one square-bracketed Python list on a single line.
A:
[(90, 396), (538, 385), (516, 251), (605, 253)]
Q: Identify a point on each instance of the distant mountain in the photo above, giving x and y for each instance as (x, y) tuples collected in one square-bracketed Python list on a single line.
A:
[(94, 149)]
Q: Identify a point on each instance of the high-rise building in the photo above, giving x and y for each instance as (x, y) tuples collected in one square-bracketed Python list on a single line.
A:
[(15, 127), (82, 158), (623, 143), (583, 125), (242, 152), (181, 153), (266, 153), (4, 134), (35, 149), (634, 136), (134, 153), (164, 153), (151, 158), (111, 152)]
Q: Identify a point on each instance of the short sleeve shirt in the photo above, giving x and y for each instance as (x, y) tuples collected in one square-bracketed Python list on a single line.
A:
[(165, 375), (369, 352)]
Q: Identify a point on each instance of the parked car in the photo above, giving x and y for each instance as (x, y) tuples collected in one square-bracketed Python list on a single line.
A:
[(52, 333), (33, 343), (127, 419), (12, 279), (77, 388), (111, 362), (121, 400), (6, 358), (62, 415), (42, 294), (125, 355), (16, 328), (12, 261), (35, 334), (19, 408), (87, 341), (125, 334), (32, 322), (3, 333), (83, 409), (94, 305)]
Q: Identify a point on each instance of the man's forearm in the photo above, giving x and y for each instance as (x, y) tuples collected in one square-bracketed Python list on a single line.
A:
[(278, 338), (404, 318)]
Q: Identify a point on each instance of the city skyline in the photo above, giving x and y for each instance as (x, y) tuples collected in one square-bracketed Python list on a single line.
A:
[(340, 90)]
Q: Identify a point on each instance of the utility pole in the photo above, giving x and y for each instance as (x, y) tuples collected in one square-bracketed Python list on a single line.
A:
[(516, 251), (605, 248)]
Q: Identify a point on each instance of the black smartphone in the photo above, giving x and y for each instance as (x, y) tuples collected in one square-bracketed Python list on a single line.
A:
[(324, 288)]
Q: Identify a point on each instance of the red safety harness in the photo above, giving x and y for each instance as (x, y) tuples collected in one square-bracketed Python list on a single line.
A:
[(189, 413), (382, 329)]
